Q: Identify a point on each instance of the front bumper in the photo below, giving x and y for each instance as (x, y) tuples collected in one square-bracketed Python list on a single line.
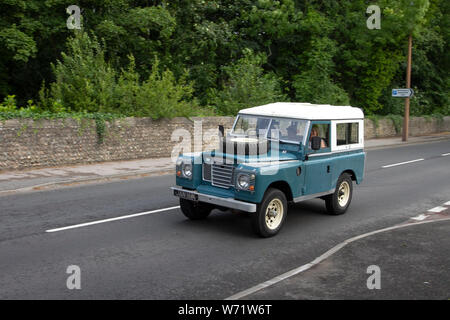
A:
[(223, 202)]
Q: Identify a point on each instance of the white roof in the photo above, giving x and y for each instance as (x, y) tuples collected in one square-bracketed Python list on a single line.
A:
[(305, 111)]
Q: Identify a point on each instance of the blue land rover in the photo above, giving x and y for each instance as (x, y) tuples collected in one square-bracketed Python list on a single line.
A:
[(275, 154)]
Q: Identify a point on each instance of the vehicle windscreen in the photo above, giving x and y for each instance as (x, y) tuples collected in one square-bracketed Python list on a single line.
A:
[(287, 130), (251, 126)]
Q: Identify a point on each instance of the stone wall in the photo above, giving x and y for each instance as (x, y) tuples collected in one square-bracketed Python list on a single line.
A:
[(27, 143), (418, 126)]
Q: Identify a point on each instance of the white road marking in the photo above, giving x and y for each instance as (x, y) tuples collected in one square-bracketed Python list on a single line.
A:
[(111, 219), (445, 154), (447, 203), (402, 163), (319, 259), (437, 209), (420, 217)]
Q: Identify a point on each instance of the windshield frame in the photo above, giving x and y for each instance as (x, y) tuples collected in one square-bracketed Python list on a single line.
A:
[(307, 122)]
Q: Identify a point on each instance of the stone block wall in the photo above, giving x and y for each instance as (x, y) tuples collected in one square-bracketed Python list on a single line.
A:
[(29, 144)]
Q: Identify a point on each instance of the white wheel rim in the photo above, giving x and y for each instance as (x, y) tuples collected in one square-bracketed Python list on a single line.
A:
[(274, 214), (343, 193)]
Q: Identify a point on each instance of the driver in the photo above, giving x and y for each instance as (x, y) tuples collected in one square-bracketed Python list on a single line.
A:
[(315, 133)]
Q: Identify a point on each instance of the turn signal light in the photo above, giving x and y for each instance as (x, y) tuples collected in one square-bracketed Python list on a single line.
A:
[(179, 173), (251, 188)]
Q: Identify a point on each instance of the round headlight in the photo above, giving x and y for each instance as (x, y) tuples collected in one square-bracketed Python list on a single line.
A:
[(243, 181), (187, 170)]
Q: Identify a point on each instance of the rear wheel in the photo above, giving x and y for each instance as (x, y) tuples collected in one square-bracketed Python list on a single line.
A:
[(270, 214), (338, 202), (195, 210)]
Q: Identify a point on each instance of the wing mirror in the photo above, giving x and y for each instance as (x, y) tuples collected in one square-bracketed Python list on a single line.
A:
[(316, 143)]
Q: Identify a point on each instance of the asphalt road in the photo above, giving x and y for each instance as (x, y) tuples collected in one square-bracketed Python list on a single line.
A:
[(164, 256)]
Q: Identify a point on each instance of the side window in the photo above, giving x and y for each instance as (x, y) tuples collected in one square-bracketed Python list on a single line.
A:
[(347, 133), (322, 131)]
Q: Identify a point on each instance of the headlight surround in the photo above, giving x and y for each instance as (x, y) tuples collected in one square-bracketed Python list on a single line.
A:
[(245, 181), (184, 168), (187, 170)]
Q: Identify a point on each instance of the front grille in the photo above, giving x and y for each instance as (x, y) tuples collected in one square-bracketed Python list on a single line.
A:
[(206, 172), (222, 175)]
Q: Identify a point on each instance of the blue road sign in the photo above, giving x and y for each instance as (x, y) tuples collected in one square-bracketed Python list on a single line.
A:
[(402, 93)]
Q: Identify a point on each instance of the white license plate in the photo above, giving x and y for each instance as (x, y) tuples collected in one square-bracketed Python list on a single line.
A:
[(185, 195)]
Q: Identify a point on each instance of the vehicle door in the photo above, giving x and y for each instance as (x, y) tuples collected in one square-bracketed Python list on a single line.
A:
[(318, 162)]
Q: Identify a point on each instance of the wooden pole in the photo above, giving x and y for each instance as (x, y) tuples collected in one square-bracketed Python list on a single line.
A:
[(408, 86)]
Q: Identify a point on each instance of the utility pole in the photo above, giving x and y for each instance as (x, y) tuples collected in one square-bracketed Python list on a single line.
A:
[(408, 86)]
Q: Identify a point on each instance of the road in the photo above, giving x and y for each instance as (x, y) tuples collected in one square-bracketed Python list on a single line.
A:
[(161, 255)]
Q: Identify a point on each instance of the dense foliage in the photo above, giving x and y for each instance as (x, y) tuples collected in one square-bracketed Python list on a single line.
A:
[(181, 57)]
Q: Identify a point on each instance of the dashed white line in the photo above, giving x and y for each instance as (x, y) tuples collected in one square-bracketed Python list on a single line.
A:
[(402, 163), (111, 219), (445, 154), (447, 203), (437, 209)]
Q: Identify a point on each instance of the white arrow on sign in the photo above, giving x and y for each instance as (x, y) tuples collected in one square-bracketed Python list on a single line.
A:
[(402, 93)]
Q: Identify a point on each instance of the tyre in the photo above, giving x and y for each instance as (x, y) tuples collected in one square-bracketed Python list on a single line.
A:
[(195, 210), (338, 202), (270, 214)]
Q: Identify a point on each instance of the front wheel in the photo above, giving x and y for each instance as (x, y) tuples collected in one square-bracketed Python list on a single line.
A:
[(195, 210), (338, 202), (270, 214)]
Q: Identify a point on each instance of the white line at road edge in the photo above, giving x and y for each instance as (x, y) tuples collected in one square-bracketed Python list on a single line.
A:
[(401, 163), (420, 217), (437, 209), (319, 259), (111, 219)]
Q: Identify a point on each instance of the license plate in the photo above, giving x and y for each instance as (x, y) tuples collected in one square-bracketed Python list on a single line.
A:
[(185, 195)]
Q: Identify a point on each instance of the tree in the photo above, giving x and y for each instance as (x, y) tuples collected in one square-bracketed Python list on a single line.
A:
[(246, 85), (84, 80), (315, 50)]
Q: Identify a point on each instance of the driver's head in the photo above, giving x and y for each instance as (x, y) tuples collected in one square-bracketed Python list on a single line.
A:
[(314, 131)]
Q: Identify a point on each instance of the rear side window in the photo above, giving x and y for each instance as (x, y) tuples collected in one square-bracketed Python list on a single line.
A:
[(347, 133)]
